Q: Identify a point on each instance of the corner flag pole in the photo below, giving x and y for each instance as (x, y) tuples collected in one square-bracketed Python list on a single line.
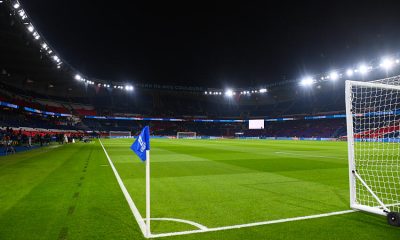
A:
[(148, 233)]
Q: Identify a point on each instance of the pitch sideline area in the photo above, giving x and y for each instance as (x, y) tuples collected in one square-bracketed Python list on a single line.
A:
[(201, 227), (68, 192)]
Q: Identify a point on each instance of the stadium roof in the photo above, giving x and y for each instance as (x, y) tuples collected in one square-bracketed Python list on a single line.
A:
[(251, 45)]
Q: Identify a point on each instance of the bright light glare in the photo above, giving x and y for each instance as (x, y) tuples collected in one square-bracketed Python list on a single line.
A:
[(349, 72), (129, 88), (263, 90), (363, 69), (387, 63), (307, 81), (78, 77), (31, 28), (229, 93), (16, 5), (334, 76), (36, 35)]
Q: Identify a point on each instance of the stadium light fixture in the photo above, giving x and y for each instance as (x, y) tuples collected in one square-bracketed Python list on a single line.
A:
[(363, 69), (44, 46), (78, 77), (30, 28), (36, 35), (129, 88), (16, 5), (334, 76), (263, 90), (349, 72), (307, 81), (386, 63), (229, 93)]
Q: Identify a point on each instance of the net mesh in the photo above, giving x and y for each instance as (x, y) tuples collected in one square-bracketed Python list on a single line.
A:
[(190, 135), (120, 134), (376, 129)]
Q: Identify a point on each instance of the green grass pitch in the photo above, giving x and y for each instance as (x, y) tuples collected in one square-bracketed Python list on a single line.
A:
[(70, 192)]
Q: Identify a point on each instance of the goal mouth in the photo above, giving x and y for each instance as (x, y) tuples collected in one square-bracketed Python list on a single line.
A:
[(120, 134), (186, 135), (373, 132)]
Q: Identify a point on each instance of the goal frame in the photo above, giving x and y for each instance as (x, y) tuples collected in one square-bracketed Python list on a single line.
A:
[(129, 135), (194, 135), (382, 209)]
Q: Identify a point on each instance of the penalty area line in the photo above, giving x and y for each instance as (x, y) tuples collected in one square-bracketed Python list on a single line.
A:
[(128, 197), (251, 224)]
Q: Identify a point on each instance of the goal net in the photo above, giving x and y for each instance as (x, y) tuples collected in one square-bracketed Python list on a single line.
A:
[(120, 134), (188, 135), (373, 132)]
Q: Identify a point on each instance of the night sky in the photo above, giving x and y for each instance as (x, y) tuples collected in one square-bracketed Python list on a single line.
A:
[(217, 45)]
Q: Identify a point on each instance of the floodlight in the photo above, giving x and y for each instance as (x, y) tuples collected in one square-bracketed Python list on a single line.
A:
[(349, 72), (16, 5), (36, 35), (78, 77), (44, 46), (205, 92), (363, 69), (334, 76), (386, 63), (263, 90), (307, 81), (128, 87), (30, 28), (229, 93), (397, 60)]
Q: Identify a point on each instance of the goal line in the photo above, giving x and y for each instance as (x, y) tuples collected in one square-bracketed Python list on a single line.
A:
[(201, 228)]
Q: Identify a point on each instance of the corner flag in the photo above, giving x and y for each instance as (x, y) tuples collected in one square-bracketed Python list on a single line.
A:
[(142, 144)]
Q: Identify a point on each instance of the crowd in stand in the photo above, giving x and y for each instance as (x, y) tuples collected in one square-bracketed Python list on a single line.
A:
[(11, 140)]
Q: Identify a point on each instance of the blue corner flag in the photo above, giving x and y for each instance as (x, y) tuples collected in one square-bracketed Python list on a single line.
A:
[(142, 143)]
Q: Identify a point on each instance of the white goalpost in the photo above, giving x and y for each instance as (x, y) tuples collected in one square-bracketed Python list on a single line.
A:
[(373, 134), (119, 134), (187, 135)]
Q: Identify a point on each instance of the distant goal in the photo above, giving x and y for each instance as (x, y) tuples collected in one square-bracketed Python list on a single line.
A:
[(119, 134), (373, 133), (186, 135)]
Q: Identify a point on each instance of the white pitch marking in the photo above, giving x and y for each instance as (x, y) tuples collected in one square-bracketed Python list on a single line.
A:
[(306, 155), (128, 198), (104, 165), (251, 224), (202, 227)]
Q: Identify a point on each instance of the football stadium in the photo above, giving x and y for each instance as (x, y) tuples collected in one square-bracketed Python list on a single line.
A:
[(221, 121)]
